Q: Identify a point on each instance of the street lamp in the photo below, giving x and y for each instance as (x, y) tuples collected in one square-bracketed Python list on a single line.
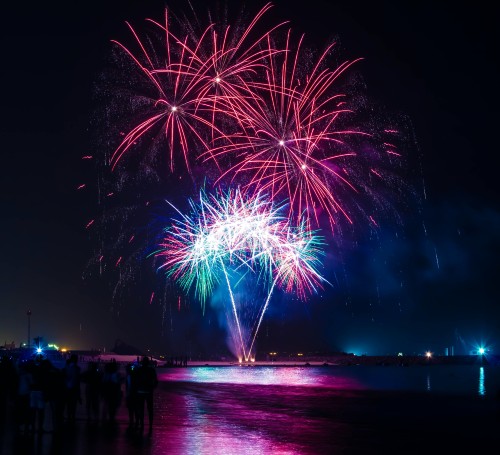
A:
[(28, 313)]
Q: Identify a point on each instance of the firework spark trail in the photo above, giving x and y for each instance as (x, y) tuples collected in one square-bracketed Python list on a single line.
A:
[(174, 107), (246, 234), (235, 313), (266, 304), (288, 131), (198, 71), (295, 269), (221, 66)]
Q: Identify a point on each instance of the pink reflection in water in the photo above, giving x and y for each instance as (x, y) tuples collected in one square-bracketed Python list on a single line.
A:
[(285, 376), (293, 410), (206, 429), (232, 410)]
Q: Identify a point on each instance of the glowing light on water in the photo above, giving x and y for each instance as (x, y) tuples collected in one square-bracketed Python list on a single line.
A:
[(482, 389), (261, 375), (463, 380)]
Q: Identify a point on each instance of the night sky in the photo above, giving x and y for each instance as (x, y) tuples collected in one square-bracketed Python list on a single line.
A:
[(426, 281)]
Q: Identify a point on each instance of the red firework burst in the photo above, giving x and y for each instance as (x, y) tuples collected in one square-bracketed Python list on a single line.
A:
[(264, 113), (288, 140), (187, 76)]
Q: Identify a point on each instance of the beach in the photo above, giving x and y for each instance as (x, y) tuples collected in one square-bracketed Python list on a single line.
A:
[(292, 410)]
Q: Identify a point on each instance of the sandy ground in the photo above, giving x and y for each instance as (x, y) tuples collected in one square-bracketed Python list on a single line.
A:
[(221, 419), (196, 418)]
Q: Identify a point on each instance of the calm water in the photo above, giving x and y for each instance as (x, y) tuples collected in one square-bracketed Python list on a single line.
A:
[(302, 410), (460, 379)]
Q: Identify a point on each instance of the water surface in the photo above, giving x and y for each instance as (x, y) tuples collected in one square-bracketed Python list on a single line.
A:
[(301, 410)]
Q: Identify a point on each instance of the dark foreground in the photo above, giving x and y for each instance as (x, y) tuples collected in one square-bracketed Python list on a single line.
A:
[(214, 418)]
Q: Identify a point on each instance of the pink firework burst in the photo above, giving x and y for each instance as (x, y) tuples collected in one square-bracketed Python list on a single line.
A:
[(288, 141), (186, 76), (255, 110)]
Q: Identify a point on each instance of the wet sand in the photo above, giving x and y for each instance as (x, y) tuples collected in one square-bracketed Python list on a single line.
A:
[(240, 419)]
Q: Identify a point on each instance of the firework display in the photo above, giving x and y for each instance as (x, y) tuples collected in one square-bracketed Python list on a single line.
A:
[(231, 234), (266, 123), (252, 106)]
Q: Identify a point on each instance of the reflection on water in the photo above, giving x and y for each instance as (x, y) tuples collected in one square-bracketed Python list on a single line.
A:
[(297, 376), (235, 416), (482, 389), (294, 410), (461, 379), (210, 425), (306, 410)]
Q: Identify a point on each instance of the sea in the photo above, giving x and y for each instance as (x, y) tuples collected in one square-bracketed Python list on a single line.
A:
[(244, 409)]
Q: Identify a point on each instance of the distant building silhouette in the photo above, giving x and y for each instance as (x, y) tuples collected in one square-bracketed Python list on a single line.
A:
[(122, 348)]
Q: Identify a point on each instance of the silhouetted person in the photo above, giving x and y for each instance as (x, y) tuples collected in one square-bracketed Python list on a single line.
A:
[(38, 393), (131, 395), (92, 378), (72, 387), (146, 381), (24, 380), (8, 385), (111, 391), (55, 396)]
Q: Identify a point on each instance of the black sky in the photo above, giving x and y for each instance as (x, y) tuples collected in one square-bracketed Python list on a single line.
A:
[(431, 65)]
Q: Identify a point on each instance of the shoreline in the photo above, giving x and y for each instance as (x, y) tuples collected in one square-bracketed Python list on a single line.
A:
[(346, 361), (293, 361)]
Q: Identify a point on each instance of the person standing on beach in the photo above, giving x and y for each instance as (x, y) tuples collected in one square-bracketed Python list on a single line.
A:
[(54, 384), (24, 381), (111, 391), (72, 387), (131, 395), (92, 378), (38, 393), (147, 382)]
